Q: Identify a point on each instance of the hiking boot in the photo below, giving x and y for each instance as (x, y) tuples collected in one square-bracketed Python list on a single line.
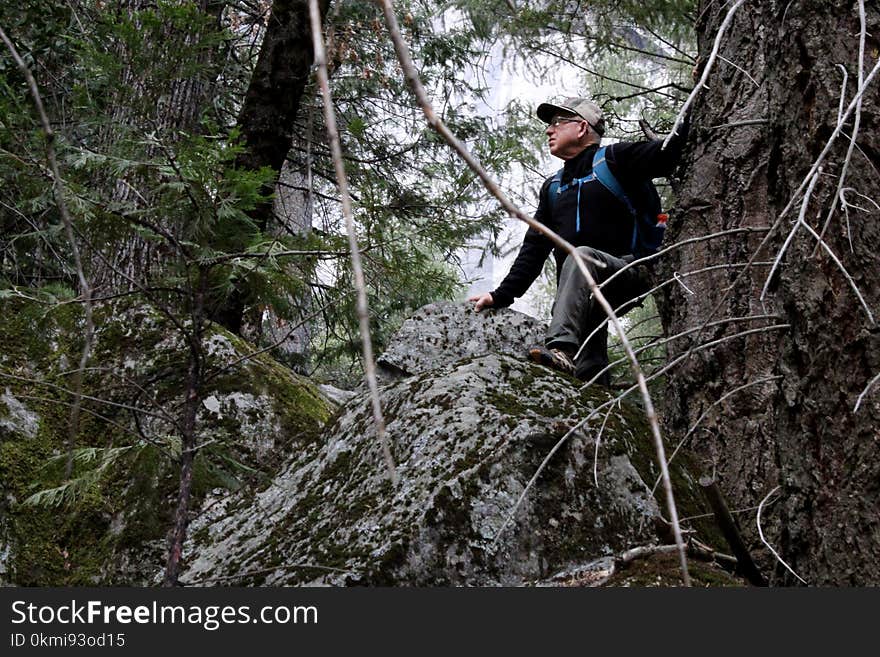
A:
[(553, 358)]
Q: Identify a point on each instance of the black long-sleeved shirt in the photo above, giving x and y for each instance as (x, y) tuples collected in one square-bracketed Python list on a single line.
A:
[(605, 222)]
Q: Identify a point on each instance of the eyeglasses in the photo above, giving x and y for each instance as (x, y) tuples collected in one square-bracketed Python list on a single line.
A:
[(559, 120)]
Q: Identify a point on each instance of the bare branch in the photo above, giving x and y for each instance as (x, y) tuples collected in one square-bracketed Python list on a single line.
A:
[(845, 273), (706, 70), (685, 333), (865, 392), (736, 124), (740, 69), (357, 267), (107, 402), (413, 78), (645, 295), (797, 224), (602, 407), (281, 340), (724, 520), (764, 541), (855, 131), (705, 414), (86, 289)]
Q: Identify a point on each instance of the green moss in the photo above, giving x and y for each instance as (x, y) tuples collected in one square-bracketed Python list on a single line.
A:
[(665, 570), (636, 441), (128, 509)]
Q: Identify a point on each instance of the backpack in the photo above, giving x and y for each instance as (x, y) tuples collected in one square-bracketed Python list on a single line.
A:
[(649, 221)]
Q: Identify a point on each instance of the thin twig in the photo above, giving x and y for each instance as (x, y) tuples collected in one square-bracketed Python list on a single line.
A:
[(865, 392), (278, 342), (701, 347), (86, 290), (845, 273), (740, 69), (599, 409), (855, 132), (645, 295), (705, 414), (797, 224), (356, 265), (685, 333), (842, 92), (706, 70), (764, 541), (88, 397)]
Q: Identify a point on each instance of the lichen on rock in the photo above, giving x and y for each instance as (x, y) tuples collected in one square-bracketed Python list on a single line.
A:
[(467, 434)]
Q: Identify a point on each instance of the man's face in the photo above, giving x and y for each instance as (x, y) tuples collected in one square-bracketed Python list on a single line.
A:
[(565, 135)]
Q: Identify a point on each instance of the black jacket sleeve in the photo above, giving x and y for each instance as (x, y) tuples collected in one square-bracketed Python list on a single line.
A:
[(530, 260), (644, 160)]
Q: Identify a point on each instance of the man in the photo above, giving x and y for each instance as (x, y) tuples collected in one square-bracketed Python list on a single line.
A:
[(589, 216)]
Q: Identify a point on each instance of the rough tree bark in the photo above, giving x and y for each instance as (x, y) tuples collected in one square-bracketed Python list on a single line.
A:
[(141, 106), (799, 432)]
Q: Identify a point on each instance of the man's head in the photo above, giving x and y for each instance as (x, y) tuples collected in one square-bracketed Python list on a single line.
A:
[(572, 125)]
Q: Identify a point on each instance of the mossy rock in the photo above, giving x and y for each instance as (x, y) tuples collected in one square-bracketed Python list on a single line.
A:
[(664, 570), (109, 526), (466, 440)]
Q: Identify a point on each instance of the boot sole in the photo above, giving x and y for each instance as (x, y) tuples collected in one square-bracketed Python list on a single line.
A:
[(542, 357)]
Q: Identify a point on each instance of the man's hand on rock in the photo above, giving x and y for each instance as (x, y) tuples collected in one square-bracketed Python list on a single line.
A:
[(484, 300)]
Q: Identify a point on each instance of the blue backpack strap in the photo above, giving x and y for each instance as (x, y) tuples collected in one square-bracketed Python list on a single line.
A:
[(603, 174), (556, 188)]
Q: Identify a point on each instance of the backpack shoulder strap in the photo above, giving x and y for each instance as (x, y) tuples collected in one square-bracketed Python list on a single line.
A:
[(603, 174)]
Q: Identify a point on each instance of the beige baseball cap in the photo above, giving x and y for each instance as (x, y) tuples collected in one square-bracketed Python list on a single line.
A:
[(582, 107)]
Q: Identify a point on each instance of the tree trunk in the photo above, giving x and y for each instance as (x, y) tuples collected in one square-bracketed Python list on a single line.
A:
[(270, 108), (192, 399), (146, 102), (799, 431)]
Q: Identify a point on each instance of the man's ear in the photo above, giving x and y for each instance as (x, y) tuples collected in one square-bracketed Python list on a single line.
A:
[(583, 130)]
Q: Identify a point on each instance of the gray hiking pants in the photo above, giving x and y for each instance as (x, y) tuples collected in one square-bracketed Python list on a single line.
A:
[(576, 314)]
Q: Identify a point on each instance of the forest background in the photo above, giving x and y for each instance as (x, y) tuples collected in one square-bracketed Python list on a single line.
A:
[(174, 154)]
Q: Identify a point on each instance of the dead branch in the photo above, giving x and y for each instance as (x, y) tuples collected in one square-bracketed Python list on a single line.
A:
[(865, 392), (356, 265), (746, 565), (855, 131), (660, 286), (85, 288), (641, 552), (682, 334), (764, 540), (705, 414), (280, 341), (706, 70)]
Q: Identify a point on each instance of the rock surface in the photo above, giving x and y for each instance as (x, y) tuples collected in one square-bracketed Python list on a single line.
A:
[(286, 494), (468, 429), (466, 439), (444, 332)]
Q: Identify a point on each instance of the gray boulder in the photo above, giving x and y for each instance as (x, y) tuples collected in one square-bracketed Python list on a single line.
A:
[(444, 332), (466, 438)]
